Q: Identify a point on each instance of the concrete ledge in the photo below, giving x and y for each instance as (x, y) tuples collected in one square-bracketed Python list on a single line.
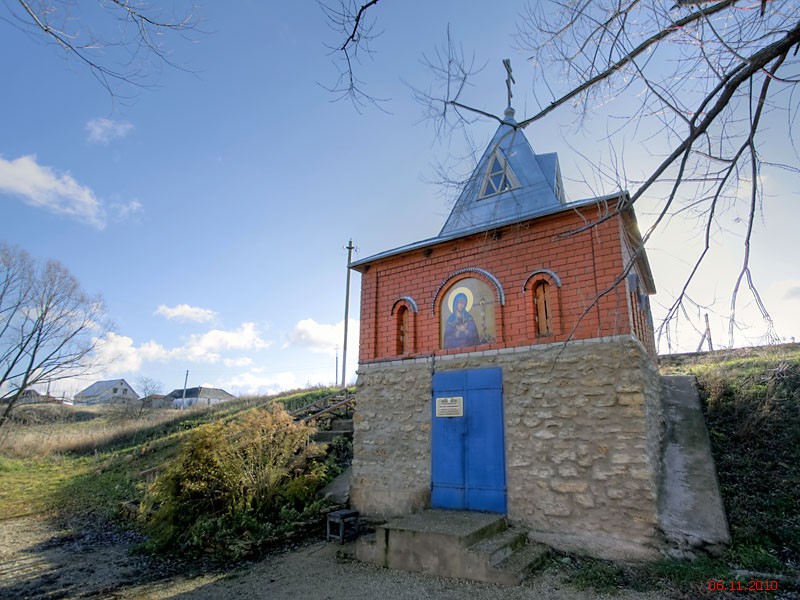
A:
[(366, 366), (605, 546), (690, 509)]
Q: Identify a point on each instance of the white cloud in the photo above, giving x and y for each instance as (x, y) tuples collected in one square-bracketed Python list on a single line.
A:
[(792, 292), (252, 383), (103, 131), (122, 211), (321, 337), (782, 300), (116, 354), (244, 361), (185, 312), (43, 187), (207, 346)]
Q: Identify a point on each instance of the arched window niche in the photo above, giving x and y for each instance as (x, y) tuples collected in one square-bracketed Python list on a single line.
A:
[(404, 310), (544, 305)]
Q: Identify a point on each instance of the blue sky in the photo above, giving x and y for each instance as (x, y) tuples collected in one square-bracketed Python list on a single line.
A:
[(212, 208)]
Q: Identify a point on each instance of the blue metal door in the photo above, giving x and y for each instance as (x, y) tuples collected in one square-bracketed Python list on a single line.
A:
[(467, 444)]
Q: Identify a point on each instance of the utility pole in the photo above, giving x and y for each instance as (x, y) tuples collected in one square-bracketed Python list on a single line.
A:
[(185, 380), (346, 312), (336, 371)]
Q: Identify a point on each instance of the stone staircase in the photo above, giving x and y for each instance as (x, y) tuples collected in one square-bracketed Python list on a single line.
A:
[(338, 427), (464, 545)]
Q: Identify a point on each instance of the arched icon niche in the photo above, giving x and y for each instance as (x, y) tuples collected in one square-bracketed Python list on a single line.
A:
[(467, 314)]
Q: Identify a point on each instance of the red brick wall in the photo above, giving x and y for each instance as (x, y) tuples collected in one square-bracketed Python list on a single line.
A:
[(586, 263)]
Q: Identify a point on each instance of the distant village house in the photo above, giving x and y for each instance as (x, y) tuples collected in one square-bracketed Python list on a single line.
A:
[(106, 392), (199, 396)]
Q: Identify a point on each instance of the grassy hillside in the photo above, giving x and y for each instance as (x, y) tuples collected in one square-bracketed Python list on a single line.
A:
[(751, 399), (87, 460)]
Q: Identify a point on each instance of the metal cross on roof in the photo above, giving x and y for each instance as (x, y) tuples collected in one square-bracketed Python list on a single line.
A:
[(509, 79)]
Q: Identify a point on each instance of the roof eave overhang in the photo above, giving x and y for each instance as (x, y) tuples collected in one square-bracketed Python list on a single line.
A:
[(361, 265)]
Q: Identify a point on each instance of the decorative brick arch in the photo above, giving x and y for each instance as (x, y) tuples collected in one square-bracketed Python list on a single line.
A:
[(544, 306), (460, 274), (404, 311), (408, 301)]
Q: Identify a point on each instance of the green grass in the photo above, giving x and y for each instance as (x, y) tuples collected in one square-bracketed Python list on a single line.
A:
[(752, 410), (29, 486), (751, 401), (88, 459), (606, 577)]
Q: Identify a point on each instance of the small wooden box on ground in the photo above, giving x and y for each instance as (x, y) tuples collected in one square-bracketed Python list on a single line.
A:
[(341, 524)]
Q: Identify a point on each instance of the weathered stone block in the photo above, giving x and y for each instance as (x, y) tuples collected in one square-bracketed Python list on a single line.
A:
[(631, 399), (568, 471), (569, 486)]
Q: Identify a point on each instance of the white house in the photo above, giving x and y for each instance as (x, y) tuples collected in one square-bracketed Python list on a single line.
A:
[(104, 392), (199, 396)]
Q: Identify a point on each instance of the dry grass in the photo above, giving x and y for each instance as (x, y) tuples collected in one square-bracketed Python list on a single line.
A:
[(40, 431)]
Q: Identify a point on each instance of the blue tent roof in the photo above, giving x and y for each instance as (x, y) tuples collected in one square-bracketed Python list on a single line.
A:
[(532, 186)]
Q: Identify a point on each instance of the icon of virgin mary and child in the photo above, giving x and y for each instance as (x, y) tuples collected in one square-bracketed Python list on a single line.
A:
[(460, 329)]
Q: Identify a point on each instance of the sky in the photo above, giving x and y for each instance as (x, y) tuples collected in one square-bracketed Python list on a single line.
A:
[(211, 207)]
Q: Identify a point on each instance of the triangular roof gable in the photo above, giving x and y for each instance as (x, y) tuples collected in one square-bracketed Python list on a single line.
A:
[(538, 178), (98, 387)]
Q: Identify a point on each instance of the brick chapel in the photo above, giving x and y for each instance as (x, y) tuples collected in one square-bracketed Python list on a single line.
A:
[(508, 364)]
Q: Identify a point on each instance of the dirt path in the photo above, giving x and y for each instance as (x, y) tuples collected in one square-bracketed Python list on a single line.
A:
[(39, 560)]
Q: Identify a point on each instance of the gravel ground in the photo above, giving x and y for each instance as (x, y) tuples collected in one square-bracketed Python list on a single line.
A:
[(40, 560)]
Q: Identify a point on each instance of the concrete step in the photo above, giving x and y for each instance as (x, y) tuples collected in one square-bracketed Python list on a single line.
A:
[(458, 544), (524, 561), (500, 546), (507, 557)]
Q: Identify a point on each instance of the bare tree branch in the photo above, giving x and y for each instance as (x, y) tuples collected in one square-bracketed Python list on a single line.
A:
[(117, 60), (691, 68), (348, 18)]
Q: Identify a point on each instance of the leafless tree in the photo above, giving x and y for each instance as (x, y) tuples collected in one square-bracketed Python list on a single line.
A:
[(147, 387), (49, 327), (119, 41), (704, 74)]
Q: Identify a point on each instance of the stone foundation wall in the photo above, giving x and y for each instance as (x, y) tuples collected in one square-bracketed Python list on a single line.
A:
[(392, 439), (583, 429)]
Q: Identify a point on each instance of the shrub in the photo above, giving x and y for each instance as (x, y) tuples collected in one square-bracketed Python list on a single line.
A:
[(231, 483)]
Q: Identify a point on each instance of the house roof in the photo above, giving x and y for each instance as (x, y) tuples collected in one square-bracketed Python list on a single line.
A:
[(446, 238), (100, 387), (201, 392)]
